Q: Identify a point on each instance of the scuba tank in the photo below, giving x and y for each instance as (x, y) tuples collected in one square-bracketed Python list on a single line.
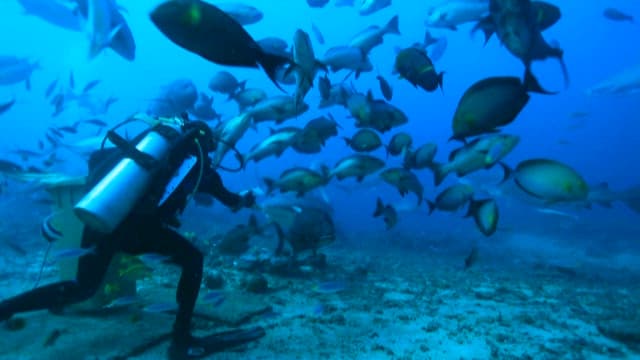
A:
[(107, 204)]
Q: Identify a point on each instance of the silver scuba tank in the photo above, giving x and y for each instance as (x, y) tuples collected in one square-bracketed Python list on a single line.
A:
[(113, 198)]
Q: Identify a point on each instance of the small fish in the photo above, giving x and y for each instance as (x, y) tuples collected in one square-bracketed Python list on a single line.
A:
[(68, 129), (213, 298), (5, 106), (153, 258), (122, 302), (72, 253), (317, 33), (386, 89), (471, 258), (53, 337), (72, 81), (90, 85), (51, 88), (96, 122), (617, 15), (330, 287), (160, 307)]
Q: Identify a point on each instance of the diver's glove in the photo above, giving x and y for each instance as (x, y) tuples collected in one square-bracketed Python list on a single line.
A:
[(246, 201)]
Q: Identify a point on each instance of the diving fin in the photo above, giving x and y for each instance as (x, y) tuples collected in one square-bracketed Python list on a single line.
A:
[(201, 347)]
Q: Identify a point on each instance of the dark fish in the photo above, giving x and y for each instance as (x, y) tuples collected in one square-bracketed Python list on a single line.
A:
[(312, 228), (236, 240), (415, 66), (206, 30), (451, 198), (516, 26), (315, 133), (51, 88), (485, 214), (243, 14), (57, 13), (357, 165), (96, 122), (225, 83), (399, 143), (388, 213), (53, 337), (492, 103), (387, 92), (5, 106), (420, 158), (364, 140), (317, 3), (68, 129), (405, 181), (299, 180), (90, 85), (617, 15), (324, 86), (471, 259), (545, 15), (551, 181)]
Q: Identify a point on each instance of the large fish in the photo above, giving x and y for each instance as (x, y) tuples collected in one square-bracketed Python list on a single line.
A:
[(206, 30), (551, 181), (492, 103), (404, 180), (452, 13), (373, 36), (119, 35), (298, 180), (174, 99), (306, 64), (230, 132), (56, 12), (516, 26), (14, 70), (358, 166), (311, 229), (625, 82)]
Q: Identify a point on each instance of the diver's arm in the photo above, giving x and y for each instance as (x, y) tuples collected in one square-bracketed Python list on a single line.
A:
[(212, 185)]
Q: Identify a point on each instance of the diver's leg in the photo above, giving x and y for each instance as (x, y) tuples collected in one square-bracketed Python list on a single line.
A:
[(164, 241), (91, 270)]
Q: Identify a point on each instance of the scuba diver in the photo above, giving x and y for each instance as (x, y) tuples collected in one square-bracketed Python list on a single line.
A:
[(136, 192)]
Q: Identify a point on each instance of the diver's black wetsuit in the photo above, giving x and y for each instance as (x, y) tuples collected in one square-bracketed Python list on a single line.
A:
[(146, 230)]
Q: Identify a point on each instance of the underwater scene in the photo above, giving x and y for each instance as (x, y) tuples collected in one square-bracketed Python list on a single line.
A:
[(319, 179)]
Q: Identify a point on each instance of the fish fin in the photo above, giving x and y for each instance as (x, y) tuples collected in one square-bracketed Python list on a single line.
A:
[(440, 78), (270, 183), (281, 238), (487, 26), (379, 208), (271, 62), (531, 83), (242, 85), (241, 159), (432, 206), (439, 173), (507, 172), (393, 26)]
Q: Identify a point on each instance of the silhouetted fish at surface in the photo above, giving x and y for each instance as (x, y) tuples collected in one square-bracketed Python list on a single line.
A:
[(206, 30)]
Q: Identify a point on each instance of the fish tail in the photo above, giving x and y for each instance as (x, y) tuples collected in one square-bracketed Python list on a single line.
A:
[(270, 183), (487, 27), (432, 206), (440, 80), (270, 63), (379, 208), (507, 172), (532, 84), (281, 238), (439, 173)]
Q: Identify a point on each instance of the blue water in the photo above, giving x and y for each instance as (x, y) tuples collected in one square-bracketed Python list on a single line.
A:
[(603, 149)]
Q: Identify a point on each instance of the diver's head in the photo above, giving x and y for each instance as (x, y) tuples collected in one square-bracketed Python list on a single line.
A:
[(202, 133)]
